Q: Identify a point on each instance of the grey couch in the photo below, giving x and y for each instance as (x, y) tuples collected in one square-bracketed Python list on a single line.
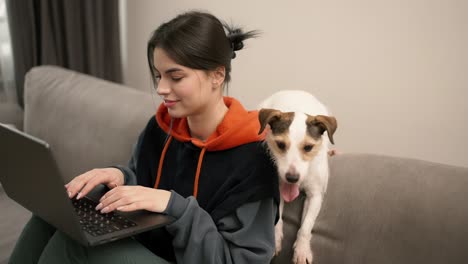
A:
[(377, 209), (12, 114)]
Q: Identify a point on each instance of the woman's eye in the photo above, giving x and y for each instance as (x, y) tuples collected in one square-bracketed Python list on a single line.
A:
[(176, 79), (308, 148), (281, 145)]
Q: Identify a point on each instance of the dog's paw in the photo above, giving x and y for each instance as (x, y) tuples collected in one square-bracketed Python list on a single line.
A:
[(302, 252), (278, 237)]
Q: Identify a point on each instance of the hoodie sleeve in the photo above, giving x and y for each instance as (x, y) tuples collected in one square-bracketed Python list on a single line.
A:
[(245, 236)]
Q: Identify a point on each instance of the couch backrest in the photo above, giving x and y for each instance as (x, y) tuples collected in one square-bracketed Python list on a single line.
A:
[(87, 121)]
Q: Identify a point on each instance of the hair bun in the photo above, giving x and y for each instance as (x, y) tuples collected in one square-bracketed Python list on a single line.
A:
[(236, 37)]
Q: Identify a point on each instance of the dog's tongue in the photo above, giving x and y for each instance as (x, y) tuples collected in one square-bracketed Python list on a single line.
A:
[(289, 192)]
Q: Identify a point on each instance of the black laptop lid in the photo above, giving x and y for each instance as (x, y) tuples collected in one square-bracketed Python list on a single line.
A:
[(30, 177)]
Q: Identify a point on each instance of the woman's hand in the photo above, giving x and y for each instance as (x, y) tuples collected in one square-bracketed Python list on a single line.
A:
[(131, 198), (81, 185)]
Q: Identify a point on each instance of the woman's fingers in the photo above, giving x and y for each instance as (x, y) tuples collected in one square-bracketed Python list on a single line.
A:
[(75, 185), (116, 197), (139, 205), (131, 198), (115, 177), (126, 199), (91, 183), (120, 204), (84, 183)]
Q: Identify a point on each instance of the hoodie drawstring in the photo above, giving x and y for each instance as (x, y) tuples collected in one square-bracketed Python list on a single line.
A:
[(197, 175), (161, 161)]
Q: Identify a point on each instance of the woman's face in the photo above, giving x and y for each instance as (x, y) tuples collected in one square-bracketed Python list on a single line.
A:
[(185, 91)]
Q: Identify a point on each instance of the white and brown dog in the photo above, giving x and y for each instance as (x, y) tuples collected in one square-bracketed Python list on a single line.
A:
[(300, 134)]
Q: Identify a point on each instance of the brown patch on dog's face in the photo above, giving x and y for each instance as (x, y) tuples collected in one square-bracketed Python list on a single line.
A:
[(281, 125), (279, 121), (314, 131), (310, 147), (279, 144), (317, 125)]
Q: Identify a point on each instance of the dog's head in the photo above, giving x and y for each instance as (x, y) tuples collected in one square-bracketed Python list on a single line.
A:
[(294, 140)]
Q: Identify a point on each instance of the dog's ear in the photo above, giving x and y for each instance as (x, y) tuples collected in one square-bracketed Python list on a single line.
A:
[(323, 122), (266, 116)]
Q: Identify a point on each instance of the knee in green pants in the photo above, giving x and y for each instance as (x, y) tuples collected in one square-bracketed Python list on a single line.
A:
[(40, 242), (62, 249), (32, 241)]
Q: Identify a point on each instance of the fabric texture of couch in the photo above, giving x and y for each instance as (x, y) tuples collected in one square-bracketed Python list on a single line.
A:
[(11, 114), (377, 209)]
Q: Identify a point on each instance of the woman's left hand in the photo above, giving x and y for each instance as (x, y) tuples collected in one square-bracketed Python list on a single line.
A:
[(132, 198)]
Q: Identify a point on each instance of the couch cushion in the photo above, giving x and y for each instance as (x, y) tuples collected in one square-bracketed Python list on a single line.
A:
[(387, 210), (87, 121)]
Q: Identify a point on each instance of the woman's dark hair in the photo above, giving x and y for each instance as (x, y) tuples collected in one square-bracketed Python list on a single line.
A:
[(199, 41)]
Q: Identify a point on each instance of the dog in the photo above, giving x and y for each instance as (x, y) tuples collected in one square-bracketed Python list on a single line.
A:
[(299, 136)]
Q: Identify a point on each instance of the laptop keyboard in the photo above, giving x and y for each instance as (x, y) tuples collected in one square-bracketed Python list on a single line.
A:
[(95, 223)]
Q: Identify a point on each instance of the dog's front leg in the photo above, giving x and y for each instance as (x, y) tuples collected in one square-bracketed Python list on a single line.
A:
[(302, 250), (279, 229)]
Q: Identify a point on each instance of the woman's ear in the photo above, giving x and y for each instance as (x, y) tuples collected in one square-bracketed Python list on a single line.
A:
[(218, 76)]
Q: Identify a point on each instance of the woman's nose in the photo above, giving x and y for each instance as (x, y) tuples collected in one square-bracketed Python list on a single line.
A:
[(162, 87)]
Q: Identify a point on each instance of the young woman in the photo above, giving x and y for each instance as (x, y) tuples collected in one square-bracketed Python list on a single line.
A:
[(200, 160)]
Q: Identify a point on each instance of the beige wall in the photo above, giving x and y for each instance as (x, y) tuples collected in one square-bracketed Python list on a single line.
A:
[(394, 73)]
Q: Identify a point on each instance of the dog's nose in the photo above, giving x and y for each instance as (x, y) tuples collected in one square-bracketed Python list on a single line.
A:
[(292, 177)]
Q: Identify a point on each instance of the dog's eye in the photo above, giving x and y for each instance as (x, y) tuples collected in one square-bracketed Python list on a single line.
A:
[(281, 145), (308, 148)]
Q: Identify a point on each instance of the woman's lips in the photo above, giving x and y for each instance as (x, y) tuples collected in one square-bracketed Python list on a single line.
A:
[(170, 103)]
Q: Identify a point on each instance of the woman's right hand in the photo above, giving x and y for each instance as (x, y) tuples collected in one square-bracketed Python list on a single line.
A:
[(82, 184)]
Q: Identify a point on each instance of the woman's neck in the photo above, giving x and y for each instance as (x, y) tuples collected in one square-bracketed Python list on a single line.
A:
[(204, 124)]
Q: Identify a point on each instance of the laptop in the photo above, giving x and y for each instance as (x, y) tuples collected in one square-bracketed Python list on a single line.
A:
[(30, 176)]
